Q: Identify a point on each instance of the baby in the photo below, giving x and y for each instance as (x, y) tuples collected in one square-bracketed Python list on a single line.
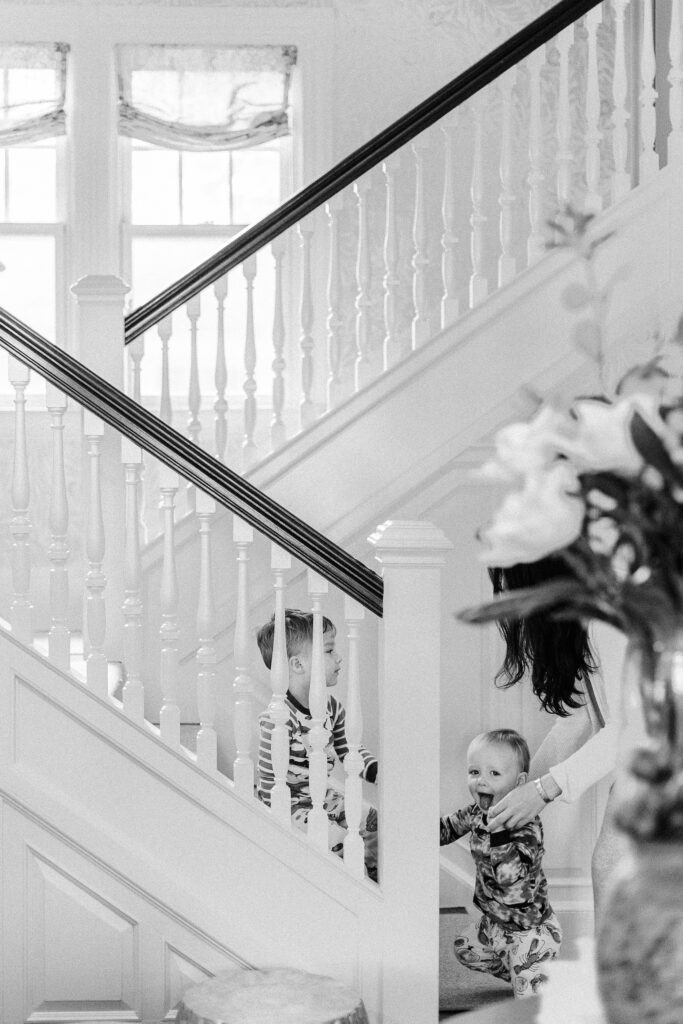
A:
[(518, 931)]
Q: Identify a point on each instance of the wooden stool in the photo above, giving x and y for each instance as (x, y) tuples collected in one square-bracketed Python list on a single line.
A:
[(280, 996)]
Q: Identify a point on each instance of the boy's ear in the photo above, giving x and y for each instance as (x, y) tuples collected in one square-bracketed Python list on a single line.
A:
[(521, 778), (295, 663)]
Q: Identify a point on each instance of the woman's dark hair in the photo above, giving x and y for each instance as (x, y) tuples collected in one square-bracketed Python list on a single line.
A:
[(556, 654)]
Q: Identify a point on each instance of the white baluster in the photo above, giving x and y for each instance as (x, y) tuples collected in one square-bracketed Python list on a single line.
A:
[(420, 326), (450, 306), (675, 78), (535, 178), (318, 825), (220, 290), (21, 608), (135, 351), (621, 179), (58, 637), (165, 330), (306, 343), (478, 283), (564, 158), (649, 161), (95, 580), (593, 200), (353, 762), (243, 688), (207, 740), (169, 631), (363, 370), (249, 451), (133, 690), (335, 320), (507, 266), (278, 432), (391, 350), (280, 797), (194, 395)]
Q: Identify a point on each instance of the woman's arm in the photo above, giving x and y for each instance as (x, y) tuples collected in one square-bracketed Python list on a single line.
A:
[(587, 758)]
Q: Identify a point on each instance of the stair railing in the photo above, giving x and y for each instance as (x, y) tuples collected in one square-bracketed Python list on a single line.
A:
[(363, 266), (58, 524)]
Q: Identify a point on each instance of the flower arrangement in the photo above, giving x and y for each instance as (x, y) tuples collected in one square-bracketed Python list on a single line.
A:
[(598, 482)]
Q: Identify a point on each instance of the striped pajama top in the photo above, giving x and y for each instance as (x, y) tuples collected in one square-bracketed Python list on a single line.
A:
[(298, 773)]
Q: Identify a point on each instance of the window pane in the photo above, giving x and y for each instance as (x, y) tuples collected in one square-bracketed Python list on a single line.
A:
[(155, 187), (32, 183), (32, 86), (255, 183), (206, 188), (159, 261), (27, 287)]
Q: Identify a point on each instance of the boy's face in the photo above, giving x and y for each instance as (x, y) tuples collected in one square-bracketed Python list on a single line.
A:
[(332, 659), (492, 771)]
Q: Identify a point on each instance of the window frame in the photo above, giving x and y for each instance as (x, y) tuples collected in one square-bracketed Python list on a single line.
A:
[(91, 233)]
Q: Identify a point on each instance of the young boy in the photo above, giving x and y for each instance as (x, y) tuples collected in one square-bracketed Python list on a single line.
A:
[(299, 641), (518, 930)]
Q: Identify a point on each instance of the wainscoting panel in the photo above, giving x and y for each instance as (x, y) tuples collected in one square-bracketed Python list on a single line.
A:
[(81, 943)]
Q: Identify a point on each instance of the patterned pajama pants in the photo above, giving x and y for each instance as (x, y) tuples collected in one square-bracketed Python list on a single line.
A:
[(514, 956)]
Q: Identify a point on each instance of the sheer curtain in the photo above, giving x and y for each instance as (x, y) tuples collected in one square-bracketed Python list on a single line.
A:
[(204, 98), (32, 89)]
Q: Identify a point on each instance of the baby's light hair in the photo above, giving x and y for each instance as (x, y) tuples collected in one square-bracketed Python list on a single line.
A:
[(298, 633), (512, 739)]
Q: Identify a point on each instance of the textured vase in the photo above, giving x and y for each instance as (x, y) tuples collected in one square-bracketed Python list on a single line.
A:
[(277, 996), (640, 941)]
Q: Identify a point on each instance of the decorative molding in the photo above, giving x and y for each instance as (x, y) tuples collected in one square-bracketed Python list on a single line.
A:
[(163, 908)]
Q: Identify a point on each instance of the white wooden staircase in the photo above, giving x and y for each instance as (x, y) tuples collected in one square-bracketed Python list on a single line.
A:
[(133, 866)]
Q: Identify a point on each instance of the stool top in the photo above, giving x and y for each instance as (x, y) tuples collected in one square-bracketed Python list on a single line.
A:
[(278, 996)]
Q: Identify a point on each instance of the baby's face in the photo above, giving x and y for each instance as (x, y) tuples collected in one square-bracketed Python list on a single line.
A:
[(492, 771)]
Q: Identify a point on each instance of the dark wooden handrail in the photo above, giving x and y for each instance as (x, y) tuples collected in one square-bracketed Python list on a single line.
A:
[(363, 159), (180, 454)]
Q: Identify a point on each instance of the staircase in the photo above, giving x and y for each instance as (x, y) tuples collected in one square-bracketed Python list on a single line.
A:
[(135, 863)]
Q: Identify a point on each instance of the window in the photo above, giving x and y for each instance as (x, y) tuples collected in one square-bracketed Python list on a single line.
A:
[(205, 149), (32, 87)]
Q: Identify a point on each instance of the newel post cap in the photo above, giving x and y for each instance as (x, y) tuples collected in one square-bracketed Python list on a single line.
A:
[(413, 541), (100, 288)]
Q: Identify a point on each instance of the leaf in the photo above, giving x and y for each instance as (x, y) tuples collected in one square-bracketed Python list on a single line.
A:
[(652, 449), (576, 296), (588, 338), (597, 242), (524, 602)]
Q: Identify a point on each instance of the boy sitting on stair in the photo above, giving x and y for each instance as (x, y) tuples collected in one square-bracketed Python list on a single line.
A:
[(299, 641)]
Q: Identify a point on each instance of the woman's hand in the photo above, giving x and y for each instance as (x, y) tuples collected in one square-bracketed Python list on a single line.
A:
[(519, 807)]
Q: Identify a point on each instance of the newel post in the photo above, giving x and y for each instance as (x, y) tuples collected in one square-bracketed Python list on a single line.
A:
[(99, 299), (411, 555)]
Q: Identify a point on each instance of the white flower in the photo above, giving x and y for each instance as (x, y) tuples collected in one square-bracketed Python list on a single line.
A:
[(603, 440), (541, 518), (527, 448)]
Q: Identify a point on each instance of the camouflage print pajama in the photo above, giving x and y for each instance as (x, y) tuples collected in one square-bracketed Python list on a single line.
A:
[(518, 931), (514, 956)]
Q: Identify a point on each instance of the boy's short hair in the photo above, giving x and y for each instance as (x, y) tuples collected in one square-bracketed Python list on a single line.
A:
[(512, 739), (298, 632)]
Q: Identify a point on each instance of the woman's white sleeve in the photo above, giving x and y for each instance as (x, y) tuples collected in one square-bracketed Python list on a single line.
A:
[(566, 736), (597, 757), (592, 762)]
